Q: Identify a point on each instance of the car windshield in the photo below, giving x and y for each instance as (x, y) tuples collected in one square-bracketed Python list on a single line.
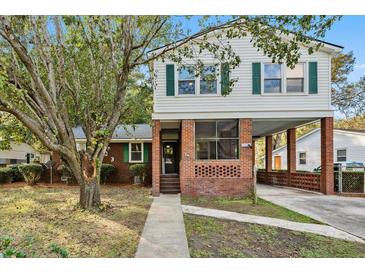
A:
[(355, 165)]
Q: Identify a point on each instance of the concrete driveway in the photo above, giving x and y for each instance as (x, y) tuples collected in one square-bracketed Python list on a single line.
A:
[(345, 213)]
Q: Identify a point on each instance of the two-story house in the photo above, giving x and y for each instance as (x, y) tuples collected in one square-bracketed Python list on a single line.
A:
[(203, 143)]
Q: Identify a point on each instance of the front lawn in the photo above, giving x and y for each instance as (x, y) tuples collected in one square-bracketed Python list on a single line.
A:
[(38, 217), (215, 238), (245, 206)]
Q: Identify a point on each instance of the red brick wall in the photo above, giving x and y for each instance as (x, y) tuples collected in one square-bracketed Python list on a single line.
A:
[(122, 174), (215, 177), (156, 157)]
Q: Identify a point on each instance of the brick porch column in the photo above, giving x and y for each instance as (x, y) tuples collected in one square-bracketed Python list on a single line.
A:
[(327, 178), (156, 157), (253, 154), (187, 155), (246, 152), (268, 153), (268, 157), (291, 150)]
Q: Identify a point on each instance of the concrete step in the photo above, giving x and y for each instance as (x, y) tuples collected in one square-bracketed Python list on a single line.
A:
[(169, 175), (169, 179), (170, 191)]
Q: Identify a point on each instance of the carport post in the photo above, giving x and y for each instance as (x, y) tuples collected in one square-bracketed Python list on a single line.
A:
[(268, 157), (291, 152), (327, 176)]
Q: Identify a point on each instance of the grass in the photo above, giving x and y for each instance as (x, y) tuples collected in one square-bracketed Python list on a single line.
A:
[(245, 206), (42, 218), (214, 238)]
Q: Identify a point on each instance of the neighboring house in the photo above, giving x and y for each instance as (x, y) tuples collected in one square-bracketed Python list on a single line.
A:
[(202, 142), (129, 145), (349, 146), (21, 153)]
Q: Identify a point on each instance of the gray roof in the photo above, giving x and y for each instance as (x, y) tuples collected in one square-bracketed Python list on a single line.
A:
[(123, 132)]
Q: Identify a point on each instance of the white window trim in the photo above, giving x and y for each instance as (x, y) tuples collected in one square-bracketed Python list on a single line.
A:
[(130, 152), (345, 149), (283, 81), (197, 82), (299, 152)]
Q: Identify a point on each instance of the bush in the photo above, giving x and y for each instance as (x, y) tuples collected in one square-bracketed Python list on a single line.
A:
[(17, 175), (139, 170), (106, 171), (6, 175), (31, 172)]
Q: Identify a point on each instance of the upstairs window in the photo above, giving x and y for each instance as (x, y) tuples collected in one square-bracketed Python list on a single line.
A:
[(216, 139), (186, 84), (272, 78), (341, 155), (208, 80), (136, 152), (302, 158), (295, 79)]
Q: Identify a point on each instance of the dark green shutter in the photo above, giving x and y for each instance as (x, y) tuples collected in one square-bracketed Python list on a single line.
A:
[(256, 78), (313, 78), (225, 78), (170, 80), (146, 152), (126, 153)]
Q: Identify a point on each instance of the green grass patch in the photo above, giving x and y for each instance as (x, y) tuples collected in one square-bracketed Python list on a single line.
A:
[(215, 238), (245, 206)]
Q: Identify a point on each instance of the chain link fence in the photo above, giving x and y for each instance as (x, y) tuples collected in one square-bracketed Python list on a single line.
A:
[(349, 181)]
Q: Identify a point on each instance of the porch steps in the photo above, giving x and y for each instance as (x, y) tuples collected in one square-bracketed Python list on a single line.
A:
[(170, 184)]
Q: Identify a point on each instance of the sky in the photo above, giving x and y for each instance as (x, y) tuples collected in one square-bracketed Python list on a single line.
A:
[(349, 32)]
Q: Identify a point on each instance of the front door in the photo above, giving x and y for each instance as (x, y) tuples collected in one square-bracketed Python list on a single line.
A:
[(170, 159)]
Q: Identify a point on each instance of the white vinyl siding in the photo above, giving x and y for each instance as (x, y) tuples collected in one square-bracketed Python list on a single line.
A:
[(241, 99)]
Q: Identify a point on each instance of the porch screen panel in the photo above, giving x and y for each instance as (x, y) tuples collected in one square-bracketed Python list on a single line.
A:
[(217, 139)]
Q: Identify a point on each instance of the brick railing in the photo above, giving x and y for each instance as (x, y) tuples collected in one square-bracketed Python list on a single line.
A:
[(303, 180)]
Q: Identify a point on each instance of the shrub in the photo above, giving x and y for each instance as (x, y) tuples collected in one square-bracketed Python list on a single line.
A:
[(31, 172), (106, 171), (17, 175), (139, 170), (6, 175), (7, 250), (62, 252)]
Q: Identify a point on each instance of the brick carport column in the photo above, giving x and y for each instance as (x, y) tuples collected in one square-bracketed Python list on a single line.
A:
[(156, 157), (268, 156), (246, 152), (187, 170), (291, 152), (327, 177)]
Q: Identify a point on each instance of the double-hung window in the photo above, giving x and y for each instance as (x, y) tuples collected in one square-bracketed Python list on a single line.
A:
[(272, 78), (302, 158), (217, 139), (295, 79), (341, 155), (186, 81), (136, 152), (208, 80)]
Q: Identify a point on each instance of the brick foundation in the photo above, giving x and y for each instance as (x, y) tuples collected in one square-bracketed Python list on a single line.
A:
[(215, 177)]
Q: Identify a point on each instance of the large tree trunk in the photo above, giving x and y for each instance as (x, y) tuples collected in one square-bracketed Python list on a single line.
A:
[(90, 186)]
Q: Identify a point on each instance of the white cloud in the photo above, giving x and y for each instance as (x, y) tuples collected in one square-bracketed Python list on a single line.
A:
[(360, 66)]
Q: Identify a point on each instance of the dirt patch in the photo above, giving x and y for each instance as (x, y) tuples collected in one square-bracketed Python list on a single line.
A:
[(36, 217), (215, 238)]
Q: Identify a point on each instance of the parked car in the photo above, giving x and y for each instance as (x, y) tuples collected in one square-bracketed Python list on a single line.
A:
[(336, 167), (355, 166)]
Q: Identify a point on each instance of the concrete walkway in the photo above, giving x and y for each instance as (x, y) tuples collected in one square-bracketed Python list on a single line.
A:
[(345, 213), (164, 231), (324, 230)]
